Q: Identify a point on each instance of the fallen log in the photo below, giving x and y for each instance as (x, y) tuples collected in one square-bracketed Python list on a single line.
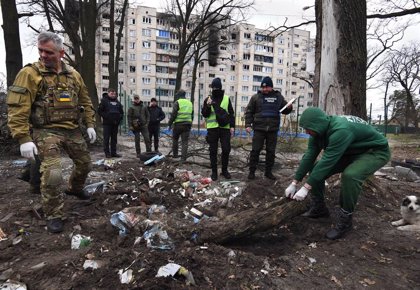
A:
[(248, 222)]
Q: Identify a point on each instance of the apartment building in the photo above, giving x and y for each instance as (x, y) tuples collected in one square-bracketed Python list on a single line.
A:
[(149, 57)]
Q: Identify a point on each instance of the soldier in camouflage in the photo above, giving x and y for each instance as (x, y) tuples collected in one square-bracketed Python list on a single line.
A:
[(50, 96)]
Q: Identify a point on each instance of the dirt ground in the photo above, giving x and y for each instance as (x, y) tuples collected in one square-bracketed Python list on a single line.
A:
[(292, 255)]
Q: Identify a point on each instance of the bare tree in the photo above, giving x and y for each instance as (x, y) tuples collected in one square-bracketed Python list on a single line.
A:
[(403, 69), (191, 18)]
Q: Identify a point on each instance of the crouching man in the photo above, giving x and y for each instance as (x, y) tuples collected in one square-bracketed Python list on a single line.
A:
[(351, 147)]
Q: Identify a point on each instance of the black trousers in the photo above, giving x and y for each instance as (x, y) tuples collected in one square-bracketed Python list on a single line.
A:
[(145, 132), (213, 137), (270, 140), (183, 131), (110, 134), (154, 130)]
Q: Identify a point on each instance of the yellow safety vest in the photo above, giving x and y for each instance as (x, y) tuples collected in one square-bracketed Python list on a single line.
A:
[(211, 121)]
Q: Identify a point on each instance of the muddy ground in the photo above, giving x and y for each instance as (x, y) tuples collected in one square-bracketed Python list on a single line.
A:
[(292, 255)]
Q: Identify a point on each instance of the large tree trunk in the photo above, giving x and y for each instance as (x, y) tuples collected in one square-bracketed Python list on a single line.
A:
[(11, 39), (248, 222), (342, 78)]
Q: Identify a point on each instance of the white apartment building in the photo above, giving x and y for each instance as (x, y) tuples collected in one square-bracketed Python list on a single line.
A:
[(149, 57)]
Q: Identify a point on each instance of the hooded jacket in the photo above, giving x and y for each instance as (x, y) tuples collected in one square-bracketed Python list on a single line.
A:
[(217, 97), (138, 116), (337, 136), (261, 108)]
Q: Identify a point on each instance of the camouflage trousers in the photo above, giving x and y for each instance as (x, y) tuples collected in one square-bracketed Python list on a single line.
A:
[(50, 143)]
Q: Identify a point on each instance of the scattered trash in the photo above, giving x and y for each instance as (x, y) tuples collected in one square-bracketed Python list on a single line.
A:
[(155, 159), (312, 245), (171, 269), (3, 235), (125, 276), (100, 162), (39, 266), (127, 218), (7, 217), (312, 260), (80, 241), (157, 212), (265, 272), (196, 213), (154, 182), (16, 240), (13, 285), (20, 162), (94, 187), (406, 173), (6, 274), (156, 238), (109, 164), (92, 264)]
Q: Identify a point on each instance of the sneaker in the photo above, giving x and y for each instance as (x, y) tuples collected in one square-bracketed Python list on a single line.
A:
[(80, 195), (270, 175), (251, 175), (55, 225), (226, 174), (116, 155)]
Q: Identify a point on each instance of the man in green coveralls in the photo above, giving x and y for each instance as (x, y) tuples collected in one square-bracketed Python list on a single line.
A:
[(351, 147)]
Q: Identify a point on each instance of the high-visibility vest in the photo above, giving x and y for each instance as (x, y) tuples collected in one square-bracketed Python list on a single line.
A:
[(184, 112), (211, 121)]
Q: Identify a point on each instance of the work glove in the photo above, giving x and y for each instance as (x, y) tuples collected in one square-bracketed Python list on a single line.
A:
[(290, 190), (301, 194), (92, 134), (28, 150)]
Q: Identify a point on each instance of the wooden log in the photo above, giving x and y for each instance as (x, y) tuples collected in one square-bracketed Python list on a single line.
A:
[(248, 222)]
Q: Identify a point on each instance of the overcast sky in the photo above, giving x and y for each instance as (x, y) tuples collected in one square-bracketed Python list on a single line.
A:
[(265, 13)]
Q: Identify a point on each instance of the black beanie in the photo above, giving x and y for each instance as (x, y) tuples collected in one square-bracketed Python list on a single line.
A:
[(216, 84), (267, 82)]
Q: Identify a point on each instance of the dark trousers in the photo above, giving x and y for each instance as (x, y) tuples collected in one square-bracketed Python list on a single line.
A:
[(145, 132), (183, 131), (213, 137), (110, 134), (154, 130), (270, 139)]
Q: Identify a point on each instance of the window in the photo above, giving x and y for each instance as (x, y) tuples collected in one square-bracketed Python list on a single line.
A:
[(244, 98), (147, 19), (105, 29), (232, 68), (132, 56), (247, 56), (280, 61), (145, 92), (280, 71), (258, 68), (296, 45), (146, 56), (232, 88), (132, 33), (221, 69), (105, 52), (163, 33), (247, 35), (146, 81), (121, 70), (255, 88), (105, 65), (105, 40), (279, 82), (132, 45), (145, 68), (132, 80), (245, 67), (245, 88), (294, 83), (245, 78), (132, 68), (146, 44), (132, 21), (146, 32), (105, 77), (296, 55), (257, 79)]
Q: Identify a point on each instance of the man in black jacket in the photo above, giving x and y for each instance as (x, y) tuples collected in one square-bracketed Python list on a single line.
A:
[(156, 116), (111, 111), (214, 107), (262, 115)]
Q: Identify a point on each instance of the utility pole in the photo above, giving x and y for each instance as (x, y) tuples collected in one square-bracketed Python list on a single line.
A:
[(370, 113), (386, 110)]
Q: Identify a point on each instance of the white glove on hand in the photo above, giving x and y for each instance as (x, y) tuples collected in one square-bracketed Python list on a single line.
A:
[(301, 194), (290, 190), (92, 134), (28, 150)]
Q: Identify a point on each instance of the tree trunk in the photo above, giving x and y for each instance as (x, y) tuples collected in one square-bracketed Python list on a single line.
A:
[(11, 39), (342, 78), (248, 222)]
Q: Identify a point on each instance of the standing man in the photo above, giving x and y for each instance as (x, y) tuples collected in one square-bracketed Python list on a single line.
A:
[(156, 116), (182, 116), (262, 115), (51, 96), (138, 120), (350, 146), (111, 111), (220, 123)]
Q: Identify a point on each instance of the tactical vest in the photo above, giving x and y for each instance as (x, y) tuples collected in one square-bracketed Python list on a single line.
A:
[(270, 106), (57, 98), (211, 121), (184, 112)]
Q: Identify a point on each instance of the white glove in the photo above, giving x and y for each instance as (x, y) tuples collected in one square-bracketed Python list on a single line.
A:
[(290, 190), (301, 194), (92, 134), (28, 150)]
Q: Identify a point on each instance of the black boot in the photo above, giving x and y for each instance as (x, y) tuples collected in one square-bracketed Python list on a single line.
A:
[(55, 225), (214, 174), (226, 174), (251, 174), (269, 175), (318, 208), (80, 194), (344, 224)]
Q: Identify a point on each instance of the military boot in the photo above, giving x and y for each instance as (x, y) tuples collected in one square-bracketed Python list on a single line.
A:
[(318, 208), (79, 194), (214, 174), (344, 224), (251, 174)]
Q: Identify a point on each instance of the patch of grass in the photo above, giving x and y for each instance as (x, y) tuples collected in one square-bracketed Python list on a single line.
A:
[(293, 144)]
